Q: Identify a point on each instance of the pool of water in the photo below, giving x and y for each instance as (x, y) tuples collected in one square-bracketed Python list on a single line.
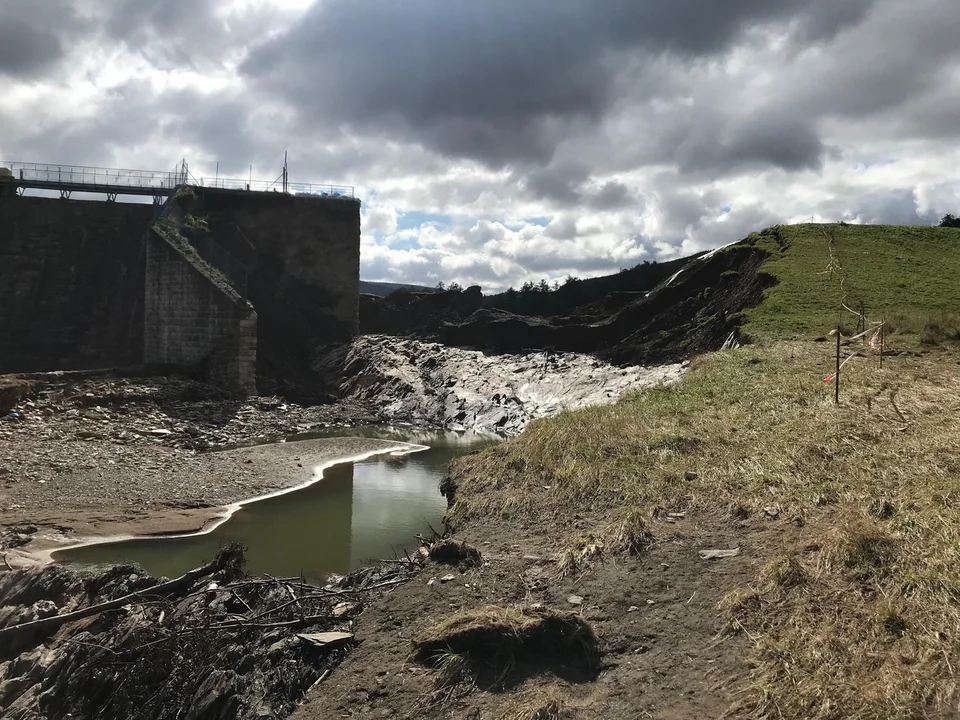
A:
[(357, 512)]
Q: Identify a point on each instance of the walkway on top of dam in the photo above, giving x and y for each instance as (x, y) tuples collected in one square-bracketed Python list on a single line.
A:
[(159, 184)]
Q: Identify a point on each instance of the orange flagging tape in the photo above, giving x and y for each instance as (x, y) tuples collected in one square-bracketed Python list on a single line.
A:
[(832, 375)]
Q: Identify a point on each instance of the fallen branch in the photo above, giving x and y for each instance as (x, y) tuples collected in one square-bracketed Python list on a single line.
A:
[(55, 622), (308, 620)]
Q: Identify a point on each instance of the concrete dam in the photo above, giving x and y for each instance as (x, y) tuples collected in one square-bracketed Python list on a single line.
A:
[(233, 286)]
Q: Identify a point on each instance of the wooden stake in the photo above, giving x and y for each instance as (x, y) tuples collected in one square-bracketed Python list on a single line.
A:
[(883, 323), (836, 377)]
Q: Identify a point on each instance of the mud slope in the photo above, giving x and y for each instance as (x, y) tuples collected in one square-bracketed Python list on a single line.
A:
[(691, 312), (425, 383)]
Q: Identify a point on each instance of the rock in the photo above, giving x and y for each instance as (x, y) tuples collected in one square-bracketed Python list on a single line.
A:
[(448, 578), (246, 664), (717, 554), (771, 511), (575, 599), (324, 639), (344, 608), (280, 648), (213, 695)]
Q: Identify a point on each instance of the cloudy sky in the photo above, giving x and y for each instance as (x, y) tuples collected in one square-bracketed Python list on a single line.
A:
[(495, 141)]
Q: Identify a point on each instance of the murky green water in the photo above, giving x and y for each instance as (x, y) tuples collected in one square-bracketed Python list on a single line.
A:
[(357, 512)]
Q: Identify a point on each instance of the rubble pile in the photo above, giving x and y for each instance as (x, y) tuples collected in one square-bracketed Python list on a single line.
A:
[(213, 644)]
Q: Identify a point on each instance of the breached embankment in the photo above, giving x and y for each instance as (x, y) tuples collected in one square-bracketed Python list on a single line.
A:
[(428, 383)]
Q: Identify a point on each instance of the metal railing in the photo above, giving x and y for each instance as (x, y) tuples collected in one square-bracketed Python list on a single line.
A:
[(63, 175), (100, 179), (336, 191)]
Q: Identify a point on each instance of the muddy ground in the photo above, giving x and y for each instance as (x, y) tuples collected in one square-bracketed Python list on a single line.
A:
[(107, 455), (101, 455), (664, 650)]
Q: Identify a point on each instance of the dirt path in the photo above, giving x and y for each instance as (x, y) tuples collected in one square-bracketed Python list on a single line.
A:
[(663, 654)]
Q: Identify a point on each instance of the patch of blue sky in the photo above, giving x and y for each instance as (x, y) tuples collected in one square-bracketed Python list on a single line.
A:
[(515, 225), (416, 219), (401, 243)]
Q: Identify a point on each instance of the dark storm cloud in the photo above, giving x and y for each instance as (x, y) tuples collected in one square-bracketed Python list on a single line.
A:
[(613, 195), (894, 207), (901, 51), (824, 20), (25, 50), (496, 82), (34, 35), (765, 138), (560, 183), (183, 33)]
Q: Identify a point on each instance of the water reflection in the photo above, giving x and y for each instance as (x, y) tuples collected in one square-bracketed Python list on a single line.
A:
[(357, 512)]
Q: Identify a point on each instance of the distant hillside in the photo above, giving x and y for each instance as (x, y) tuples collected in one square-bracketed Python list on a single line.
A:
[(909, 274), (383, 289)]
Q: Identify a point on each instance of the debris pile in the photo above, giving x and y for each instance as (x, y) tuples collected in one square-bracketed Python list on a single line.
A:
[(212, 643), (430, 384)]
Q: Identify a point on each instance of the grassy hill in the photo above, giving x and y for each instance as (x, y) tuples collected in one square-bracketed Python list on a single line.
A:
[(909, 274), (843, 598), (385, 288)]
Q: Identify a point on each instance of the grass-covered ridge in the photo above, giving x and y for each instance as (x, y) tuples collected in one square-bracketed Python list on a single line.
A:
[(865, 622), (907, 273)]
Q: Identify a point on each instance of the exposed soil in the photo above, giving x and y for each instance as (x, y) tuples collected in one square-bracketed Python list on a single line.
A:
[(461, 389), (114, 456), (663, 649), (100, 455), (694, 310), (94, 455)]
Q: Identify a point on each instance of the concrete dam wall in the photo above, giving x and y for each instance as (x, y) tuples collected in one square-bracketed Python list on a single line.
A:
[(87, 284), (71, 283)]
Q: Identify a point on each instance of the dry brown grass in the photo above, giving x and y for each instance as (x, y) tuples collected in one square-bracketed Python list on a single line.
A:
[(542, 704), (930, 328), (866, 627), (488, 644), (627, 534)]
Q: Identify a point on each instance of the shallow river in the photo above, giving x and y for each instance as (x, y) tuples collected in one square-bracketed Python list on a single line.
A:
[(358, 511)]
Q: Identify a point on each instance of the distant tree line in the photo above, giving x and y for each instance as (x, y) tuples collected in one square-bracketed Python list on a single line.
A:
[(560, 298), (950, 221)]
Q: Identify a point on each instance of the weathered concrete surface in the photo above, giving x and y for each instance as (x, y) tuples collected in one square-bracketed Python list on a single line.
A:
[(193, 317), (302, 256), (71, 283), (429, 383), (73, 277)]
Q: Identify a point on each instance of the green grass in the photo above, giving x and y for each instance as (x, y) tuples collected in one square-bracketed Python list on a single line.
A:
[(865, 623), (903, 272)]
